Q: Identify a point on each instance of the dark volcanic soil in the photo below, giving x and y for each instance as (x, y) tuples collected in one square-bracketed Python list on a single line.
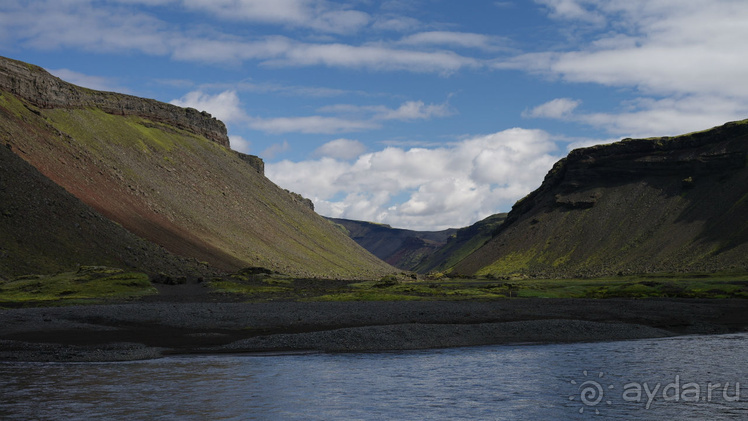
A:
[(182, 324)]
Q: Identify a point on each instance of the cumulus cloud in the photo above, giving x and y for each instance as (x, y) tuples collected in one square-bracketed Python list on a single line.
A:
[(344, 149), (425, 188), (557, 108), (225, 106), (239, 144)]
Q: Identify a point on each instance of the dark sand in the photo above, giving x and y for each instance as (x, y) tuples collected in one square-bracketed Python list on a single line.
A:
[(139, 330)]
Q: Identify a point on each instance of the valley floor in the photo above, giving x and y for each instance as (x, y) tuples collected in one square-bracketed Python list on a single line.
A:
[(186, 321)]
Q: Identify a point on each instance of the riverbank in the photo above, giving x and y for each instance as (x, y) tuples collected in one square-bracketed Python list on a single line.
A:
[(141, 330)]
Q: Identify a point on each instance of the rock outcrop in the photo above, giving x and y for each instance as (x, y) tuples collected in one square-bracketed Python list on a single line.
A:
[(254, 161), (40, 88)]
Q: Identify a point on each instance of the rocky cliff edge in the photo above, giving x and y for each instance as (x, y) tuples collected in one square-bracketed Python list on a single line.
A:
[(39, 87)]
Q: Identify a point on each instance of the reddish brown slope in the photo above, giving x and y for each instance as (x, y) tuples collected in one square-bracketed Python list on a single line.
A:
[(171, 185), (46, 229)]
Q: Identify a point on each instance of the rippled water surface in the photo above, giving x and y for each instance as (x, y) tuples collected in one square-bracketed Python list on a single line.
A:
[(696, 377)]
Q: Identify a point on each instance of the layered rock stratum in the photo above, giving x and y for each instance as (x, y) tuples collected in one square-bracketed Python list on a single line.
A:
[(45, 91)]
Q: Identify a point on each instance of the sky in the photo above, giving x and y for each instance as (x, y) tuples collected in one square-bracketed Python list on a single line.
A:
[(420, 114)]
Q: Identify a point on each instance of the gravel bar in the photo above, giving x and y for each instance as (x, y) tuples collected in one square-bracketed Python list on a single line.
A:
[(141, 330)]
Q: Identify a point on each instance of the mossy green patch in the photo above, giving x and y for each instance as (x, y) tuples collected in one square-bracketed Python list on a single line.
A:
[(246, 289), (661, 285), (88, 283), (365, 296), (13, 105), (97, 128), (515, 262)]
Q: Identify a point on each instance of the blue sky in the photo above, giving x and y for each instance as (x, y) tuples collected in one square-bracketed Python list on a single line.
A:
[(422, 114)]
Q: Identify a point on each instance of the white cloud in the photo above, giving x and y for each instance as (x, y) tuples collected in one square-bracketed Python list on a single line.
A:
[(239, 144), (683, 59), (310, 124), (276, 149), (646, 117), (396, 23), (409, 110), (81, 24), (319, 15), (225, 106), (343, 149), (454, 39), (660, 46), (557, 108), (670, 116), (350, 118), (276, 88), (415, 110), (443, 187), (572, 9), (48, 25), (373, 57)]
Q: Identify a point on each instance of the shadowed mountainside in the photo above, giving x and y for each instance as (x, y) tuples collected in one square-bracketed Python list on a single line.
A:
[(461, 244), (404, 249), (639, 205), (421, 251), (165, 174)]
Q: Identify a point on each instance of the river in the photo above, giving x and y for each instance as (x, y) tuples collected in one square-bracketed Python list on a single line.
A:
[(689, 377)]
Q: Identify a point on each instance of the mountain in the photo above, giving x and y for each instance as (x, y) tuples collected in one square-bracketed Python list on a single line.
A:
[(639, 205), (421, 251), (164, 174), (45, 229), (404, 249), (460, 244)]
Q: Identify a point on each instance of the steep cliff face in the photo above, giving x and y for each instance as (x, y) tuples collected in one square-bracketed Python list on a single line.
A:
[(45, 91), (644, 205), (165, 174)]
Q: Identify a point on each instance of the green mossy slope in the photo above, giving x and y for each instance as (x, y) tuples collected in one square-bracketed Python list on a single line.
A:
[(637, 206), (461, 244), (180, 190)]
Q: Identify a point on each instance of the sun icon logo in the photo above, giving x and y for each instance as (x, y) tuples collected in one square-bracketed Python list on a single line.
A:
[(591, 393)]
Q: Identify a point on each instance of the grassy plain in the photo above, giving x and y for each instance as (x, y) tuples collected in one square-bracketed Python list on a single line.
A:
[(89, 284), (663, 285), (97, 284)]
